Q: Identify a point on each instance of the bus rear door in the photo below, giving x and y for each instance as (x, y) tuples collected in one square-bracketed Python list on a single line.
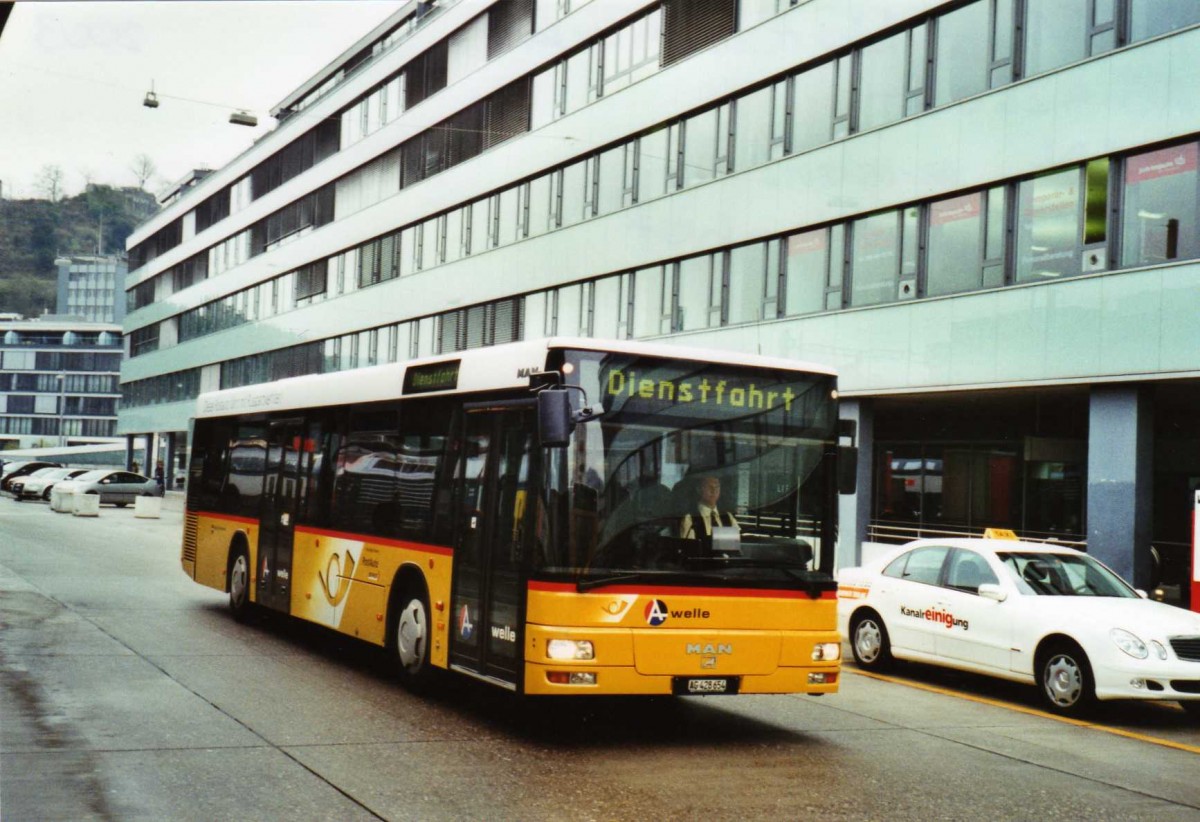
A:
[(490, 493)]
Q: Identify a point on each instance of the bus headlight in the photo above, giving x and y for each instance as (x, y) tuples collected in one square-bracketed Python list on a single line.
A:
[(569, 649), (827, 651)]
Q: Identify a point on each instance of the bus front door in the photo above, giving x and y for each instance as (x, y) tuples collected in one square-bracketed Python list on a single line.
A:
[(491, 488), (281, 489)]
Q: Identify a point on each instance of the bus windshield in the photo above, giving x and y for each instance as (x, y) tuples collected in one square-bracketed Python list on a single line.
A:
[(692, 467)]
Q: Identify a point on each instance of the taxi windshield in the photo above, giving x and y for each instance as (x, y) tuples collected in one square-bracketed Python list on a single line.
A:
[(692, 467), (1052, 574)]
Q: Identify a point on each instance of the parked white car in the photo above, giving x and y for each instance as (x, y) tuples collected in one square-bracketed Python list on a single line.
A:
[(39, 483), (1041, 614), (120, 488)]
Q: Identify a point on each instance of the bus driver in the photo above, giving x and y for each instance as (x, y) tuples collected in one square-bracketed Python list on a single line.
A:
[(699, 525)]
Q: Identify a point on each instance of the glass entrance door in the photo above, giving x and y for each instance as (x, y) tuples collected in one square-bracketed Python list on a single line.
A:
[(492, 485)]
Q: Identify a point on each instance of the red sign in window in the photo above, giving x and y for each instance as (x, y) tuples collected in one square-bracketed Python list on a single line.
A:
[(1161, 163), (806, 243), (966, 207)]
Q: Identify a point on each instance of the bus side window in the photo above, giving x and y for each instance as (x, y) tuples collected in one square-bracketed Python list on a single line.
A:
[(420, 455), (364, 484)]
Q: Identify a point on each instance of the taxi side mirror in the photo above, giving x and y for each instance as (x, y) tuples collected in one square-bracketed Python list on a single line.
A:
[(990, 590)]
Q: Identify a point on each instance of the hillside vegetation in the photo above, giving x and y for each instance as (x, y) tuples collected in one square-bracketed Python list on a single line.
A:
[(34, 232)]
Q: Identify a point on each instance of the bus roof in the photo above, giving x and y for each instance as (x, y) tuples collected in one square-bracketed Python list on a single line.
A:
[(480, 369)]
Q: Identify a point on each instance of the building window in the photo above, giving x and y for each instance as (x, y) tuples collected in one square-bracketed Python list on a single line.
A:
[(1150, 18), (1048, 226), (1056, 33), (753, 282), (753, 129), (883, 257), (1161, 219), (698, 292), (813, 271), (651, 302), (961, 53), (881, 85), (691, 25), (812, 106), (966, 243)]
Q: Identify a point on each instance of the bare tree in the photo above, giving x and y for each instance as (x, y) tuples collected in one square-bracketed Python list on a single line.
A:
[(50, 182), (143, 169)]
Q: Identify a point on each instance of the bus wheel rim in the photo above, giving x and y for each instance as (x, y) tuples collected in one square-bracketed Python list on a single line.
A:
[(410, 635), (237, 580)]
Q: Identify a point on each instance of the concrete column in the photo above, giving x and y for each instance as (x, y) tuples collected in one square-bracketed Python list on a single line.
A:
[(128, 452), (1120, 473), (854, 510), (169, 463)]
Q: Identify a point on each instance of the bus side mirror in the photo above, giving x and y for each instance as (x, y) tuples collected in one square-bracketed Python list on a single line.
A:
[(847, 469), (554, 417)]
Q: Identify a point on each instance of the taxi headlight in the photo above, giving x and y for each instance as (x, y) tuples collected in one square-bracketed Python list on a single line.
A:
[(1129, 643), (1159, 650), (568, 649)]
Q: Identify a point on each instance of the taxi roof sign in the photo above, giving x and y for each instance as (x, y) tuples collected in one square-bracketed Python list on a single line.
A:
[(999, 533)]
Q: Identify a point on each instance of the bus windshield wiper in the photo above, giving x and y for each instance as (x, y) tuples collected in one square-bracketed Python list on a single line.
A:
[(616, 579), (812, 581)]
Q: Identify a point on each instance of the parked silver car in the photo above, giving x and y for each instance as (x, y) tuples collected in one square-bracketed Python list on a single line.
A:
[(118, 487), (39, 483)]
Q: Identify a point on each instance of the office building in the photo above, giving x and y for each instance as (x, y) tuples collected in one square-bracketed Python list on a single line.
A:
[(983, 213), (58, 382), (91, 288)]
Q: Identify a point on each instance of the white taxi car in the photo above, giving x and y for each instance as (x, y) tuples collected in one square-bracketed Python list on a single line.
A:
[(1046, 615)]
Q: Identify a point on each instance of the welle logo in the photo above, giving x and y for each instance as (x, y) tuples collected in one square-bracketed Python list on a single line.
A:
[(657, 613)]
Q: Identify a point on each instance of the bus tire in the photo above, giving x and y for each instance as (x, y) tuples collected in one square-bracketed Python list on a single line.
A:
[(411, 636), (239, 583)]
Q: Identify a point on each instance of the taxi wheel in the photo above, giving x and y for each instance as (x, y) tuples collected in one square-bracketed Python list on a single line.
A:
[(1065, 679), (869, 642)]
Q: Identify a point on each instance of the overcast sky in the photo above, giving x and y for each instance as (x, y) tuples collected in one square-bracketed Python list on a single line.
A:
[(73, 75)]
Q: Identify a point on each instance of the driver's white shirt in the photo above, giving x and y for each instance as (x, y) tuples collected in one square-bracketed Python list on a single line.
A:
[(686, 527)]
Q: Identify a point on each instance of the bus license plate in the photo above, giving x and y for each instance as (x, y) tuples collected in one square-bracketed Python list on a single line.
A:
[(698, 685)]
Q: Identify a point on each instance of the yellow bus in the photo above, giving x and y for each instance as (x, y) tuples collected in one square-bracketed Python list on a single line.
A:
[(530, 515)]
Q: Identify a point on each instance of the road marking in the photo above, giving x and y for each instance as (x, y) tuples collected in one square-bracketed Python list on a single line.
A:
[(983, 700)]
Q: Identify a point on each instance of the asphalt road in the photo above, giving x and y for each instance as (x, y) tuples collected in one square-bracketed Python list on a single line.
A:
[(128, 693)]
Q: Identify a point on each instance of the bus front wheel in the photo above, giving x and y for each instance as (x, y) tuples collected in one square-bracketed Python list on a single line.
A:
[(412, 636)]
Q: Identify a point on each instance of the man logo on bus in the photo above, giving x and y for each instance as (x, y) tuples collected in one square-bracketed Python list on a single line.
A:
[(465, 626), (656, 612)]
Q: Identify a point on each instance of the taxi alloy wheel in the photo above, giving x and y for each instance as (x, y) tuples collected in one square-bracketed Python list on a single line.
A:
[(869, 642), (1066, 680)]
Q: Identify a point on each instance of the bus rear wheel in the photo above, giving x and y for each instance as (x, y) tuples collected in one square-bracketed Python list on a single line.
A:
[(412, 635), (239, 584)]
